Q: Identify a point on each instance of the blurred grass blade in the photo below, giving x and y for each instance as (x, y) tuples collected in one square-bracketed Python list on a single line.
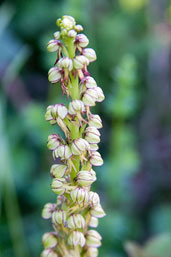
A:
[(8, 193)]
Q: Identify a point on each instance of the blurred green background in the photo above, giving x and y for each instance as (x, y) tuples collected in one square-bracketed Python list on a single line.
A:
[(132, 39)]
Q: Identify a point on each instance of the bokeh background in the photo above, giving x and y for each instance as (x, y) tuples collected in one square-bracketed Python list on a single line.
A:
[(132, 39)]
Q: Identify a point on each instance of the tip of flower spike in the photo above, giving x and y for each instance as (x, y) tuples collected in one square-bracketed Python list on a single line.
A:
[(67, 22)]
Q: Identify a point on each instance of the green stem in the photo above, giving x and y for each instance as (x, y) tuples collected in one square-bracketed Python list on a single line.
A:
[(74, 87), (69, 42), (74, 91)]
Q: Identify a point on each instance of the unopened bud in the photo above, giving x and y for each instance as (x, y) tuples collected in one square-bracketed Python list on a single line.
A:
[(67, 22), (90, 54), (79, 195), (76, 238), (96, 159), (79, 146), (93, 238), (48, 209), (49, 240), (94, 147), (58, 170), (90, 97), (100, 94), (89, 82), (57, 186), (97, 211), (92, 252), (76, 221), (49, 253), (72, 33), (78, 28), (56, 35), (59, 217), (54, 141), (94, 198), (53, 45), (92, 135), (64, 152), (80, 61), (76, 106), (54, 75), (95, 121), (59, 110), (65, 63), (85, 178), (81, 40), (93, 222), (48, 115)]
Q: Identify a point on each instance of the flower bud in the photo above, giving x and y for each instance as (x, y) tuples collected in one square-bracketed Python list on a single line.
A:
[(49, 240), (81, 40), (48, 209), (79, 146), (48, 115), (94, 198), (89, 97), (76, 106), (49, 253), (78, 28), (76, 221), (85, 178), (65, 63), (97, 211), (100, 94), (53, 45), (92, 135), (57, 186), (80, 61), (89, 82), (57, 35), (59, 110), (93, 238), (58, 170), (76, 238), (59, 217), (54, 75), (79, 195), (72, 33), (67, 22), (96, 159), (54, 141), (90, 54), (94, 147), (95, 121), (64, 152), (93, 222)]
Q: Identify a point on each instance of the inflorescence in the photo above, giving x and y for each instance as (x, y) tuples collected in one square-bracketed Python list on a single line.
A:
[(77, 207)]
